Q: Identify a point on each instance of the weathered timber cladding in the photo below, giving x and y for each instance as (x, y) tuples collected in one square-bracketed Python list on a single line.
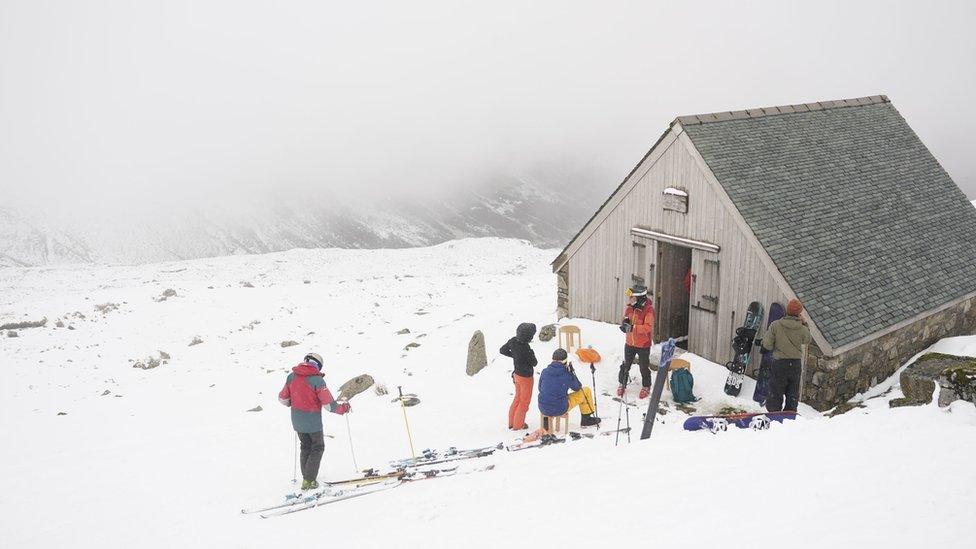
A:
[(601, 269)]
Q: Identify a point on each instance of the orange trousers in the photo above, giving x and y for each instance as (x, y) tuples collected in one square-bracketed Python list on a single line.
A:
[(520, 404)]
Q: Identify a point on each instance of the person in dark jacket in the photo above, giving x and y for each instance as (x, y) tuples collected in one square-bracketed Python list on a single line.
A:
[(306, 394), (523, 357), (787, 338), (556, 381)]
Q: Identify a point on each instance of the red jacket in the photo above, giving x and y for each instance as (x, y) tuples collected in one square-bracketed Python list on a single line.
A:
[(306, 394), (643, 322)]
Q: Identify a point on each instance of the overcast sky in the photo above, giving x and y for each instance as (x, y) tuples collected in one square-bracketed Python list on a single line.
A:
[(118, 101)]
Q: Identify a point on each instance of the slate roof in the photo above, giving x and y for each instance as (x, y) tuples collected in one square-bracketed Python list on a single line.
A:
[(858, 216)]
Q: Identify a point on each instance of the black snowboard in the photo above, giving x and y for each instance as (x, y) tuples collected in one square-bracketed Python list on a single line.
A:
[(776, 312), (742, 346)]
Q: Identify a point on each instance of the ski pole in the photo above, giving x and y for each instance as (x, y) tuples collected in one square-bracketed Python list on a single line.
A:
[(593, 384), (351, 448), (628, 425), (405, 422), (619, 410), (294, 462)]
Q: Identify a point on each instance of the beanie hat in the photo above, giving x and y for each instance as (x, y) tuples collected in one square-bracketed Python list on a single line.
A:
[(559, 355), (794, 307), (314, 359)]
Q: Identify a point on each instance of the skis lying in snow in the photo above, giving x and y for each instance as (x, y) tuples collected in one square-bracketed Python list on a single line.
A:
[(576, 436), (432, 457), (615, 398), (544, 440)]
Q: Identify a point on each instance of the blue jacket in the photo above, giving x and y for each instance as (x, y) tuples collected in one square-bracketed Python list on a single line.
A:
[(554, 384)]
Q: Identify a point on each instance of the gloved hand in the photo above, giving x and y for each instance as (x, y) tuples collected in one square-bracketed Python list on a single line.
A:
[(343, 408), (627, 327), (757, 342)]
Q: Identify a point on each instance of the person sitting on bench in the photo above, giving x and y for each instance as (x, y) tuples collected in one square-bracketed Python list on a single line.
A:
[(556, 381)]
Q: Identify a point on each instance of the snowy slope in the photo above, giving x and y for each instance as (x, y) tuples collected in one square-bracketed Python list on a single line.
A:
[(167, 457), (546, 210)]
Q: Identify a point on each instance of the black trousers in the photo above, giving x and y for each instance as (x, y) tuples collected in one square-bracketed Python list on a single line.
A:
[(784, 381), (313, 446), (643, 361)]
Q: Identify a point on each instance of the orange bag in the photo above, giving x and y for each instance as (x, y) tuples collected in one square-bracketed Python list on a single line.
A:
[(588, 356)]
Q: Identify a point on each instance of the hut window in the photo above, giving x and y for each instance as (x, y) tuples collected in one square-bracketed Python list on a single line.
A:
[(707, 286), (676, 200)]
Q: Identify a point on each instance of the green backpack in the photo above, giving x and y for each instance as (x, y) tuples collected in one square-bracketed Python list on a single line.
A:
[(682, 383)]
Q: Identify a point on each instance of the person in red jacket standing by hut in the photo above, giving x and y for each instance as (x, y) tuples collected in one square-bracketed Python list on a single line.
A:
[(638, 326)]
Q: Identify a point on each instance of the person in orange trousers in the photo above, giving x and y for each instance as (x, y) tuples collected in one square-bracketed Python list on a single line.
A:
[(522, 355)]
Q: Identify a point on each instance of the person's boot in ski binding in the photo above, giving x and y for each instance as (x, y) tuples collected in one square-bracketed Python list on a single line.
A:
[(588, 420), (309, 484), (644, 392), (620, 390)]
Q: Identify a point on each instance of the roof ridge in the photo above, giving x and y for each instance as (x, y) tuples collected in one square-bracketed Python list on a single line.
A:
[(778, 110)]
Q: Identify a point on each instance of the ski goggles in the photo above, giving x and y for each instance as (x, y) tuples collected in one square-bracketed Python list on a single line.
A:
[(630, 293)]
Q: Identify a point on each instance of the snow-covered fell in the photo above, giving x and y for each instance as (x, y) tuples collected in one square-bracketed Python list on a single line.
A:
[(547, 211), (167, 457)]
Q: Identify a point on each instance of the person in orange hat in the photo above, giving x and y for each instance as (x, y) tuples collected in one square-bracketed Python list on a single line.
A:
[(786, 338)]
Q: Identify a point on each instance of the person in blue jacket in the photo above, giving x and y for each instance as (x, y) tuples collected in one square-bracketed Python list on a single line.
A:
[(555, 384)]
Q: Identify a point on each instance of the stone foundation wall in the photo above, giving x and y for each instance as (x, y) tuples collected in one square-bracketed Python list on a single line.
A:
[(562, 291), (829, 381)]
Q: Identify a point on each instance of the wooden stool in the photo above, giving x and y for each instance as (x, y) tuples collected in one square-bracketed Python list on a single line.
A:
[(554, 423), (676, 364), (572, 334)]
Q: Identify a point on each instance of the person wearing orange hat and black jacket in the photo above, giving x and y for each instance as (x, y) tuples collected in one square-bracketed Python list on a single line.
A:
[(638, 325), (786, 338), (522, 355)]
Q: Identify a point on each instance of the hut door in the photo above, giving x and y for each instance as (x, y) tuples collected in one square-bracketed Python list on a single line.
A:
[(672, 301)]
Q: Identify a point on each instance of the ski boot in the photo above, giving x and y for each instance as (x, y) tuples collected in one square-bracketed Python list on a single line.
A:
[(310, 484), (589, 420), (644, 392)]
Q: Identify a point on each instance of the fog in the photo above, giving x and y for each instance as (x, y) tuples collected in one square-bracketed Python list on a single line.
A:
[(115, 103)]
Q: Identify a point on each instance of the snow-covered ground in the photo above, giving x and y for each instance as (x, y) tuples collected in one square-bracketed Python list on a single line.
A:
[(166, 457)]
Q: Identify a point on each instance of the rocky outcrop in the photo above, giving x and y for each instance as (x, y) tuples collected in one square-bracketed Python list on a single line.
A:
[(954, 377), (547, 332)]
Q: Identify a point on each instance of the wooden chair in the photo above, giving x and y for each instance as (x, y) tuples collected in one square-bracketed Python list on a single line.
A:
[(570, 333), (676, 364), (554, 423)]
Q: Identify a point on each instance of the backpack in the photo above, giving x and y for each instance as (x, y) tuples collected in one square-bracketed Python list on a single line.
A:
[(682, 383)]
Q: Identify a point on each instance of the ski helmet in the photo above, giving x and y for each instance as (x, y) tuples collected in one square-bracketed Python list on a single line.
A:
[(637, 290), (314, 359)]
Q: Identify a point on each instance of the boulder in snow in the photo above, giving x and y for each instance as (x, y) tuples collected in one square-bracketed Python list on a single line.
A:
[(954, 377), (256, 409), (477, 358), (547, 332), (196, 341), (289, 343), (355, 386)]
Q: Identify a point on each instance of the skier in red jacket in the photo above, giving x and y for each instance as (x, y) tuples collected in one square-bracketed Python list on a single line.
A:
[(638, 325), (306, 394)]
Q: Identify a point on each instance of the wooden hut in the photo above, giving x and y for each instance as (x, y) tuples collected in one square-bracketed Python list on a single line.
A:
[(837, 203)]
